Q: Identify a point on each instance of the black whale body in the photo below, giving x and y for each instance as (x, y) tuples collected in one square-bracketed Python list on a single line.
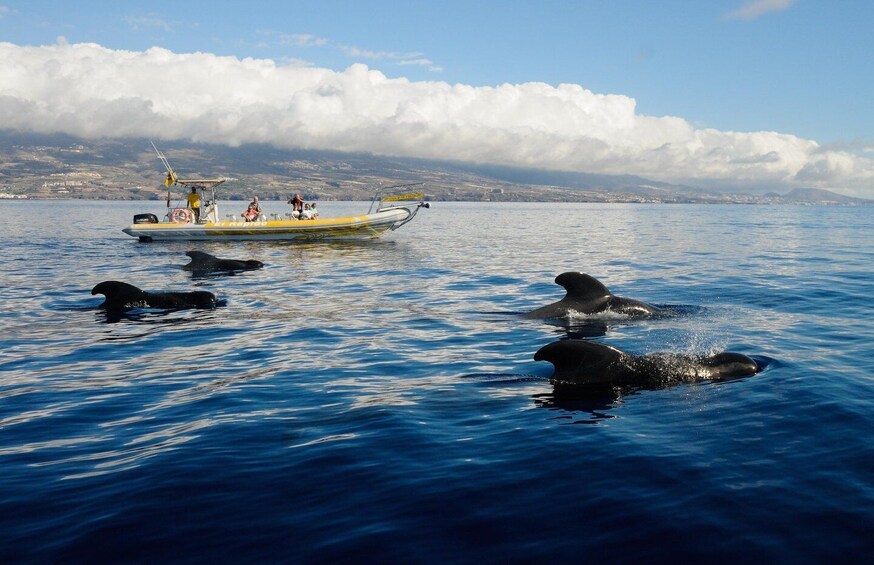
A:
[(583, 362), (587, 295), (205, 263), (124, 296)]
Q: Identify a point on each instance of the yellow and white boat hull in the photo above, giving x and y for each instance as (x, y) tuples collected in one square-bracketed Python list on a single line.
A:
[(365, 226)]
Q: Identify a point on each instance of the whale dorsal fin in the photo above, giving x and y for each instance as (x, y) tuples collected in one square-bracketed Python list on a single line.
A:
[(199, 260), (199, 255), (116, 288), (579, 360), (117, 293), (580, 286)]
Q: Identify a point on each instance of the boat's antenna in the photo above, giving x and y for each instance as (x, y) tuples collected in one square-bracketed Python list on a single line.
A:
[(171, 176)]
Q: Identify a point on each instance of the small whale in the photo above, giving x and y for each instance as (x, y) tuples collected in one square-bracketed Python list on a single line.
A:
[(583, 362), (586, 295), (123, 296), (204, 263)]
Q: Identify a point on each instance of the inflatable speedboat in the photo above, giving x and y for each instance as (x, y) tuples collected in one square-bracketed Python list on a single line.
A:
[(198, 218)]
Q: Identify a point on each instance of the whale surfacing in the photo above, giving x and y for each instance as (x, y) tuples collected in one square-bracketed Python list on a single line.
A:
[(205, 263), (587, 295), (124, 296), (582, 362)]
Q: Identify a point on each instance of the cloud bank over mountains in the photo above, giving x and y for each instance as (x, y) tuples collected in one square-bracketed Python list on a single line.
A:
[(90, 91)]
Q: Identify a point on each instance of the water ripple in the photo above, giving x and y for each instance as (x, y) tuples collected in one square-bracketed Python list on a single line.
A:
[(380, 398)]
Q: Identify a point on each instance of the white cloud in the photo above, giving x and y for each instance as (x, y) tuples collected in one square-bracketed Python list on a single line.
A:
[(302, 40), (752, 9), (90, 91), (353, 51), (398, 58), (422, 62), (152, 20)]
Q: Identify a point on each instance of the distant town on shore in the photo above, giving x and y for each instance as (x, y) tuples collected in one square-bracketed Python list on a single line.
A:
[(36, 166)]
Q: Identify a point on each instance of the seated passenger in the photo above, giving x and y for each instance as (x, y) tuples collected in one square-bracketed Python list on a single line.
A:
[(306, 213), (251, 214), (256, 205), (314, 211)]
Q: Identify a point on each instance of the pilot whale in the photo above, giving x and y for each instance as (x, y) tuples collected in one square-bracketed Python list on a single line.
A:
[(586, 295), (123, 296), (204, 262), (583, 362)]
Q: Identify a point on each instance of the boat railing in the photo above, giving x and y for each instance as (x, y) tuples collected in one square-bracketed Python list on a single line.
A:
[(380, 198)]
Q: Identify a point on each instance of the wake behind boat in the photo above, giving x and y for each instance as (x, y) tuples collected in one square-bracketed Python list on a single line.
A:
[(199, 220)]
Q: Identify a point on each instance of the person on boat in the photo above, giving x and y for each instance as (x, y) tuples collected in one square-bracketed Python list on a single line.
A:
[(194, 203), (256, 205), (251, 214), (296, 202), (306, 213), (313, 210)]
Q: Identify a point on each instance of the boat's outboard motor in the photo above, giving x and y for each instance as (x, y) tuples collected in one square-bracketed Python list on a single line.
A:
[(145, 219)]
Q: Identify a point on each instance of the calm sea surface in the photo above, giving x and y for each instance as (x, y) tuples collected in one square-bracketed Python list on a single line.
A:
[(378, 401)]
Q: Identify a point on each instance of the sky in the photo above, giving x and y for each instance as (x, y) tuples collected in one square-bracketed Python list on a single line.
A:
[(728, 94)]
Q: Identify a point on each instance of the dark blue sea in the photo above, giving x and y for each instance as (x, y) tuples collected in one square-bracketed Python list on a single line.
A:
[(378, 401)]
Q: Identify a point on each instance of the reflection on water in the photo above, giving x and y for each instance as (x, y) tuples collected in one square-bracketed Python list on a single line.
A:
[(581, 407), (382, 397), (155, 315)]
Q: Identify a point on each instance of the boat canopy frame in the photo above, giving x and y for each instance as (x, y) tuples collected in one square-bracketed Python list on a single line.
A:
[(380, 198)]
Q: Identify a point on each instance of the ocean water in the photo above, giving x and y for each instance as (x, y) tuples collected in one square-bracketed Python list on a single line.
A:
[(378, 401)]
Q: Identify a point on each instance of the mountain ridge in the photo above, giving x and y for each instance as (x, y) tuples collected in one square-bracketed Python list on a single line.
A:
[(62, 166)]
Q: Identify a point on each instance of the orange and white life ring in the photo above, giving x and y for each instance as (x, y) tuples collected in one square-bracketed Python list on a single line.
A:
[(181, 216)]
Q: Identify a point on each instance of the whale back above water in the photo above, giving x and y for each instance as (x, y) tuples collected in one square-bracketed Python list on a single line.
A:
[(587, 295), (204, 263), (124, 296), (583, 362)]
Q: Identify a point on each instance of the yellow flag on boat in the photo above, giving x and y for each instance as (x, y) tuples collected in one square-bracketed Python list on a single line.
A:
[(408, 196), (171, 178)]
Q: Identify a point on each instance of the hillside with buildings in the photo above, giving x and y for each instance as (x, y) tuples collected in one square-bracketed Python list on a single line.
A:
[(39, 166)]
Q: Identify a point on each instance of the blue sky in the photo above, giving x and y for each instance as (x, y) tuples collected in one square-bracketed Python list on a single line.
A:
[(803, 70), (794, 67)]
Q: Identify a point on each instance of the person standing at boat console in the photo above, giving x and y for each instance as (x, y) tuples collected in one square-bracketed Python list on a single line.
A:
[(194, 204), (296, 205)]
